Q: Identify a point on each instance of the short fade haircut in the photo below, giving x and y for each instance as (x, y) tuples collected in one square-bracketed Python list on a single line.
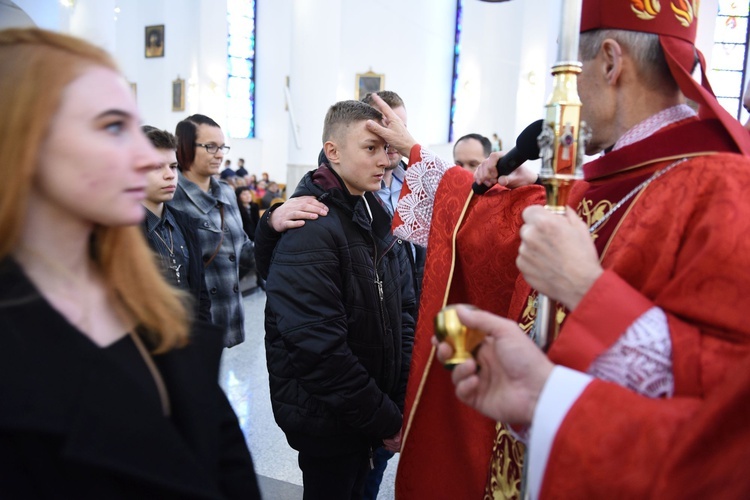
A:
[(344, 113), (486, 144), (391, 98), (161, 139), (187, 132)]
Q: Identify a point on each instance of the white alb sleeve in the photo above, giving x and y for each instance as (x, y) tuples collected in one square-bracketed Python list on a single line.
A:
[(563, 388)]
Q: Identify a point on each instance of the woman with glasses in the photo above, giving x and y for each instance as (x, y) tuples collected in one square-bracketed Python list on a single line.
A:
[(106, 391), (224, 244)]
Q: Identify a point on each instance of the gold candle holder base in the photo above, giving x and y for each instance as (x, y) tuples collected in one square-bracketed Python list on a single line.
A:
[(449, 329), (557, 188)]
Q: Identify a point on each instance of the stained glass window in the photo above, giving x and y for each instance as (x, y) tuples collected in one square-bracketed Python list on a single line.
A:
[(456, 60), (729, 54), (241, 68)]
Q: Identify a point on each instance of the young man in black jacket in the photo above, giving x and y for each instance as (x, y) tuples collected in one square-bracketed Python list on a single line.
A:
[(170, 232), (339, 316)]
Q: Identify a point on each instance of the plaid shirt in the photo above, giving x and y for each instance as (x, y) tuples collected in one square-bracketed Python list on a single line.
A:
[(223, 273)]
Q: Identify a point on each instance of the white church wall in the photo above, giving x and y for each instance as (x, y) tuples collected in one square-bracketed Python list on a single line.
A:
[(332, 41), (154, 76), (411, 43), (269, 151), (320, 45), (505, 60), (47, 14)]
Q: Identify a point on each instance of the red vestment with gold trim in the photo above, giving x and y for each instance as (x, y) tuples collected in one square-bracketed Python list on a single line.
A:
[(681, 244), (448, 446)]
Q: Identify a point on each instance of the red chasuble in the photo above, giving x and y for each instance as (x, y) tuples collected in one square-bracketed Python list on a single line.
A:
[(682, 243), (678, 448), (448, 447)]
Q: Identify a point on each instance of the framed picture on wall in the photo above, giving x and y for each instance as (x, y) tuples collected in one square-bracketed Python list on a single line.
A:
[(154, 41), (178, 94), (368, 82)]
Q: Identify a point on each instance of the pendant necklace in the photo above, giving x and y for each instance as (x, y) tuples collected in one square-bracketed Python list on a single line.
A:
[(172, 264)]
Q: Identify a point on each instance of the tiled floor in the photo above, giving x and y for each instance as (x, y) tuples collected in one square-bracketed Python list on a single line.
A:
[(244, 377)]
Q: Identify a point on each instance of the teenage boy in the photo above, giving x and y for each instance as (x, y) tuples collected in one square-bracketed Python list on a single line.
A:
[(339, 315), (389, 193), (168, 230)]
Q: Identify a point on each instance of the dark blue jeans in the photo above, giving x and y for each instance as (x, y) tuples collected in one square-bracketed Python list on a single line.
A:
[(372, 483), (340, 477)]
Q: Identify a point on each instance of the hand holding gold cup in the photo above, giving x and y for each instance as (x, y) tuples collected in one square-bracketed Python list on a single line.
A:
[(463, 340)]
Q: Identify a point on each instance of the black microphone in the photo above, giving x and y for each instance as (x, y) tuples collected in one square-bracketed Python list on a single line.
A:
[(526, 148)]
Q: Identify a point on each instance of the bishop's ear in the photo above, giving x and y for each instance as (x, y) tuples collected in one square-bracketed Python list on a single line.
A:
[(612, 55)]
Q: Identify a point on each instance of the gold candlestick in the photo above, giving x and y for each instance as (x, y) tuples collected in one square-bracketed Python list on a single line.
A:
[(562, 145)]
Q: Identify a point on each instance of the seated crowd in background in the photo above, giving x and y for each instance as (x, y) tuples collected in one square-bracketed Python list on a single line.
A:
[(263, 192)]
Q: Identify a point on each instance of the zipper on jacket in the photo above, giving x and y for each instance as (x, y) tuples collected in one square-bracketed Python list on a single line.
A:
[(381, 294), (378, 282)]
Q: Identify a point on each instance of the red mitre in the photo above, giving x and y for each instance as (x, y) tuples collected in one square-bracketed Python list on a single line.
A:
[(675, 18), (675, 22)]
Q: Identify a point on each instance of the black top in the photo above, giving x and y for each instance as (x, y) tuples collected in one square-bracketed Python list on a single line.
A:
[(76, 423), (125, 353)]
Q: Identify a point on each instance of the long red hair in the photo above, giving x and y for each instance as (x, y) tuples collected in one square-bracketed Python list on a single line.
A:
[(35, 67)]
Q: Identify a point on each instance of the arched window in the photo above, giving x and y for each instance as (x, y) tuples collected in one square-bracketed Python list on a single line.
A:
[(241, 68), (729, 55)]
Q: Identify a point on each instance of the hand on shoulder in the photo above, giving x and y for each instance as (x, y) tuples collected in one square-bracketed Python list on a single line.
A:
[(295, 211)]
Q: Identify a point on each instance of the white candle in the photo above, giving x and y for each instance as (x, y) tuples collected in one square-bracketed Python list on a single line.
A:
[(569, 30)]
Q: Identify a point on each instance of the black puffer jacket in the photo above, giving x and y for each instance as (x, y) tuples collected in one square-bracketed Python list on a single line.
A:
[(339, 324)]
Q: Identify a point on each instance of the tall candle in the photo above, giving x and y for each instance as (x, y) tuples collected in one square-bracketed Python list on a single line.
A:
[(569, 31)]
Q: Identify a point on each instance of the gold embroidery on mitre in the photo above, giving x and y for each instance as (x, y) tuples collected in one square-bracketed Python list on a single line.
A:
[(685, 11), (645, 9), (591, 214), (504, 482)]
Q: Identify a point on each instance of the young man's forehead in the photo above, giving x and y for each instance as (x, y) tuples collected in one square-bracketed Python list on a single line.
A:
[(168, 155), (342, 131)]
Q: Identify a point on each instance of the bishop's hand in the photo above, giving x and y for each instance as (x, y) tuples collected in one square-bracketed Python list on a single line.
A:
[(557, 255), (513, 369)]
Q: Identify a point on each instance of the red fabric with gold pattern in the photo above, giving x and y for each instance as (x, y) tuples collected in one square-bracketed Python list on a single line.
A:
[(682, 245), (589, 460), (448, 446), (720, 425), (651, 448)]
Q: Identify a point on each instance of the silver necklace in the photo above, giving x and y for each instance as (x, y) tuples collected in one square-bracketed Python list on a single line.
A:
[(172, 265), (635, 191)]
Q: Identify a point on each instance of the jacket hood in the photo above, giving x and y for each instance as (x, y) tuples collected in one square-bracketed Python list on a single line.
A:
[(324, 183), (329, 188)]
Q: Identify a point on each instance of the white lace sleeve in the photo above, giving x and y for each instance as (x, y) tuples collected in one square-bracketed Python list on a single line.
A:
[(641, 359), (418, 197)]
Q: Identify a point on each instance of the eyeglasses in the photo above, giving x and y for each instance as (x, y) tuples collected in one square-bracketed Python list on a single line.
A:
[(213, 148)]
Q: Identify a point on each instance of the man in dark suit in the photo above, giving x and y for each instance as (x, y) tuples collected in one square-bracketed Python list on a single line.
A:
[(168, 230)]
